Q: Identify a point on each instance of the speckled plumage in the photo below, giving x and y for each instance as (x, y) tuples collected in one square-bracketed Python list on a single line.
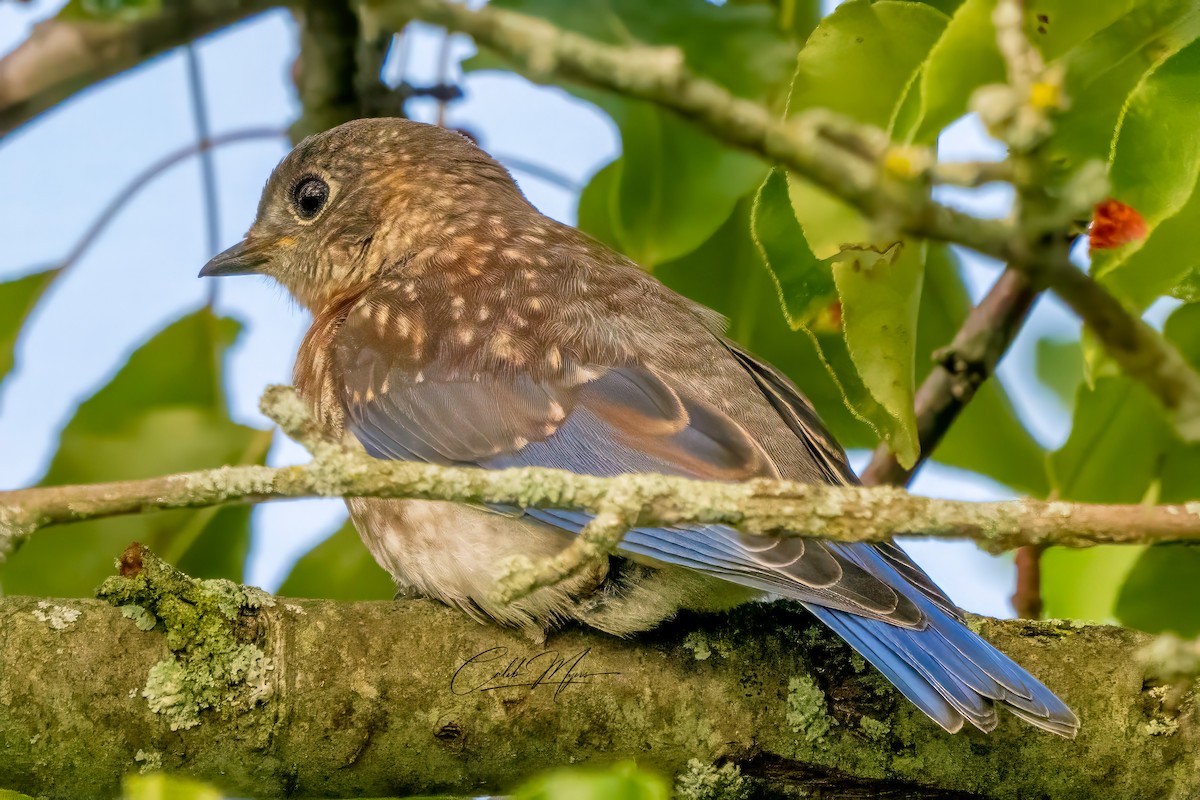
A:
[(453, 323)]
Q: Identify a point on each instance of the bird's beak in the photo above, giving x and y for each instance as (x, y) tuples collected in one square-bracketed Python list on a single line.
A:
[(247, 257)]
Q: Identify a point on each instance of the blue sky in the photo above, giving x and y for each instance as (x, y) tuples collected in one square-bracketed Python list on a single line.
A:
[(62, 169)]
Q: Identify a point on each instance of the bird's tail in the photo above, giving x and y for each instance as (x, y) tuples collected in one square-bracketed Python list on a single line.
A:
[(950, 673)]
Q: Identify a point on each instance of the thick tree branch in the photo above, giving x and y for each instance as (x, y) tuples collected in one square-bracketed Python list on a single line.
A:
[(840, 513), (64, 56), (271, 697), (851, 161)]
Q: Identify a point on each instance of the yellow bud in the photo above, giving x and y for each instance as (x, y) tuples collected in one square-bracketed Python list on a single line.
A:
[(1044, 95)]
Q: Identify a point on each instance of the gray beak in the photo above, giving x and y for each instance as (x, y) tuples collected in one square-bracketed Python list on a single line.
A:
[(244, 258)]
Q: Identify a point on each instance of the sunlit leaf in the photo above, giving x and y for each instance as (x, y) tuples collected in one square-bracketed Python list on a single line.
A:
[(1103, 69), (158, 786), (339, 568), (881, 295), (859, 62), (1155, 163), (964, 58), (17, 299), (164, 412), (621, 782), (804, 282), (726, 273)]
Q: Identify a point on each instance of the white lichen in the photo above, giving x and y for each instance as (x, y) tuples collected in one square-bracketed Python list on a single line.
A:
[(57, 617)]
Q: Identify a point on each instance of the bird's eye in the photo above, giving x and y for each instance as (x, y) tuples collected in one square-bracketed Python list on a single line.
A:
[(309, 195)]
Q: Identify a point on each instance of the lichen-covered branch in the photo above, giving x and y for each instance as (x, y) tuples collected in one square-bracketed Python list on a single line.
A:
[(851, 161), (842, 513), (63, 56), (272, 697)]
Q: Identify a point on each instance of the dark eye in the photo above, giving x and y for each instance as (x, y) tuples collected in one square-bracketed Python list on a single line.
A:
[(309, 195)]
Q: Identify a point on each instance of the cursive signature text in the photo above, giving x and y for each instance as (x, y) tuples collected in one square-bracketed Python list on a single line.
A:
[(495, 668)]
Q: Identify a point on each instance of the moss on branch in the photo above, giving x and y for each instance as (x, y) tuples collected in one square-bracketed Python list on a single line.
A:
[(393, 699)]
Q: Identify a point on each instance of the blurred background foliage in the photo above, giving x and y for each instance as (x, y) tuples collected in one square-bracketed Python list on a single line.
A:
[(804, 281)]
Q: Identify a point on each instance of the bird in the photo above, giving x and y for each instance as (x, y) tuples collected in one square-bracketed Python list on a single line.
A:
[(455, 324)]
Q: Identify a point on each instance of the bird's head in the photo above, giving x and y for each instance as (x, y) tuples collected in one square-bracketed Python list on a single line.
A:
[(361, 200)]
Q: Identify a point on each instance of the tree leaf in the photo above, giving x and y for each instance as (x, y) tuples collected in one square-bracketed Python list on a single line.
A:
[(739, 46), (726, 274), (1105, 68), (963, 59), (1060, 368), (339, 568), (804, 282), (859, 62), (673, 185), (881, 296), (164, 412), (620, 782), (1154, 167), (17, 299), (1162, 591), (1113, 455)]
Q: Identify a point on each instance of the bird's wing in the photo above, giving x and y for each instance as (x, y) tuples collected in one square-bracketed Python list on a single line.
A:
[(602, 420), (799, 415)]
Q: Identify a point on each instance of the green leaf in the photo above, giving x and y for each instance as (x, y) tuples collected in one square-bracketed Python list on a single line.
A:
[(963, 59), (1060, 368), (1113, 455), (673, 185), (339, 568), (881, 296), (17, 299), (1056, 26), (111, 10), (988, 437), (1154, 167), (1162, 591), (738, 46), (804, 282), (164, 412), (621, 782), (859, 62), (157, 786), (726, 274)]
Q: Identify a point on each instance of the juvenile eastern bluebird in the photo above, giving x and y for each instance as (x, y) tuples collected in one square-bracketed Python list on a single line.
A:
[(455, 324)]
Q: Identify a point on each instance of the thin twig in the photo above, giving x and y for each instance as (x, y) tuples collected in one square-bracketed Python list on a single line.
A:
[(208, 167), (539, 171), (1027, 598), (147, 175)]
